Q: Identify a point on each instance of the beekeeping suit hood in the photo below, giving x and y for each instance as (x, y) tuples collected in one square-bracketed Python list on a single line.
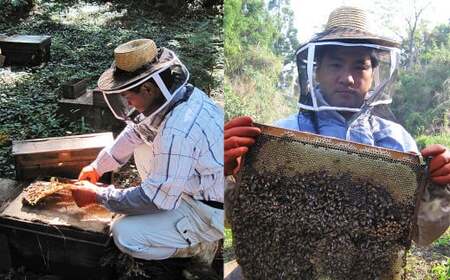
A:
[(135, 63), (347, 27)]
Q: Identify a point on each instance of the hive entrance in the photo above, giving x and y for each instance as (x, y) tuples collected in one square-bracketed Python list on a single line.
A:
[(318, 217)]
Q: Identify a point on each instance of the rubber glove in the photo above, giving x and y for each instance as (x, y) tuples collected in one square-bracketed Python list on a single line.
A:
[(90, 174)]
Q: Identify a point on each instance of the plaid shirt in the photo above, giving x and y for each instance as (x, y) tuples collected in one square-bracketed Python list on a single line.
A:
[(187, 158)]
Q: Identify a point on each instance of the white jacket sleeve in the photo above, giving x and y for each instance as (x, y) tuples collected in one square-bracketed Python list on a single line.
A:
[(116, 155)]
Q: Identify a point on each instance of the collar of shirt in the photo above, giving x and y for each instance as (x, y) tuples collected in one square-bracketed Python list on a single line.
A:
[(148, 129)]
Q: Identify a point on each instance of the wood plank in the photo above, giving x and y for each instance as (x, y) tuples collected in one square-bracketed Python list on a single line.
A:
[(65, 143), (26, 39), (61, 210), (57, 157), (85, 99)]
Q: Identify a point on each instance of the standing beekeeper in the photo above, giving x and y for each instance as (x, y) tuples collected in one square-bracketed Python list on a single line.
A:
[(176, 135), (345, 73)]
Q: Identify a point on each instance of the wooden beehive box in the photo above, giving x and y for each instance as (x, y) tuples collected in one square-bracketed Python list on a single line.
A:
[(57, 156), (74, 88), (29, 50), (57, 238), (95, 115)]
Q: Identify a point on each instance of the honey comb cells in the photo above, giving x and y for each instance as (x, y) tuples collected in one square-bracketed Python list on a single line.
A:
[(319, 219), (36, 192)]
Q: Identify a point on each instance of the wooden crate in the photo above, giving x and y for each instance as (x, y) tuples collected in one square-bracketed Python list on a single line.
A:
[(57, 156), (29, 50), (74, 88)]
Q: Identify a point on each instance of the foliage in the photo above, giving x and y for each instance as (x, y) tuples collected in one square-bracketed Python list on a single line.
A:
[(253, 44), (443, 241), (83, 39), (422, 98), (441, 271), (425, 140), (246, 26), (174, 8), (16, 8), (228, 253)]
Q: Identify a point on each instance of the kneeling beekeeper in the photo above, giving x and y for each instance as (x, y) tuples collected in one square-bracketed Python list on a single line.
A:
[(176, 134)]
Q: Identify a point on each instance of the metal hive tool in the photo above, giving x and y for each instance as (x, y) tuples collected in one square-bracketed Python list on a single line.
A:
[(312, 207)]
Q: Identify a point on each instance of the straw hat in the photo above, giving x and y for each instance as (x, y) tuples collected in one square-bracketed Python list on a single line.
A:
[(134, 61), (351, 24), (134, 54)]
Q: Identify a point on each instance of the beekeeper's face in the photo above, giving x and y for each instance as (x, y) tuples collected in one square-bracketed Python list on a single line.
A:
[(345, 75), (143, 97)]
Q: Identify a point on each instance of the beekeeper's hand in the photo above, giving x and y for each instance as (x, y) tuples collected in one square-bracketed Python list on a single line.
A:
[(439, 167), (90, 174), (433, 214), (83, 193), (238, 136)]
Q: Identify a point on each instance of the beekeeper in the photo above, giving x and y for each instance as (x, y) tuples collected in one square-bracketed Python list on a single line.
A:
[(175, 132), (345, 74)]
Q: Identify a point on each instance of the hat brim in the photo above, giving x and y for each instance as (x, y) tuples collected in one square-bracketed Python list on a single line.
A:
[(355, 34), (347, 35), (115, 80)]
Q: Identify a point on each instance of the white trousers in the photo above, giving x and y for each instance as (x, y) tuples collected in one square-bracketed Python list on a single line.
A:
[(159, 235)]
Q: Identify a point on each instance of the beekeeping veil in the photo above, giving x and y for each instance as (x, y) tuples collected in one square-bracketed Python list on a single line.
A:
[(135, 63), (347, 27)]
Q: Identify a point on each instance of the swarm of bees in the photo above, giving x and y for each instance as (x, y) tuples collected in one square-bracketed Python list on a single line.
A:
[(310, 207), (319, 226), (37, 191)]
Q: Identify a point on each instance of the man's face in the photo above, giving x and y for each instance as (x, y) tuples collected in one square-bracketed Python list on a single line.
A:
[(147, 97), (345, 76)]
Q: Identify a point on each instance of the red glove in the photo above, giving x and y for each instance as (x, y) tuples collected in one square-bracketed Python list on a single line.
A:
[(83, 193), (439, 167), (89, 173), (238, 136)]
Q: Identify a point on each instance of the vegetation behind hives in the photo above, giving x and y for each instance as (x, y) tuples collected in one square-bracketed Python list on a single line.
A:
[(318, 225), (84, 36)]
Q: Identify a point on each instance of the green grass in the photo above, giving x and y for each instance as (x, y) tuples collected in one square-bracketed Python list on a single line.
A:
[(425, 140), (441, 271), (443, 241), (228, 252)]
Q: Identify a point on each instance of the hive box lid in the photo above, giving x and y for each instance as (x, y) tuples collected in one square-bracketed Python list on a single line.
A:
[(26, 39), (55, 144), (57, 156)]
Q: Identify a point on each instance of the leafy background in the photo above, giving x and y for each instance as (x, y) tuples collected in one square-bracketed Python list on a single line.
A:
[(84, 35)]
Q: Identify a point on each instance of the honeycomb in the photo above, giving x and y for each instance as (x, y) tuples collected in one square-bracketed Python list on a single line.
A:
[(37, 191), (311, 207)]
